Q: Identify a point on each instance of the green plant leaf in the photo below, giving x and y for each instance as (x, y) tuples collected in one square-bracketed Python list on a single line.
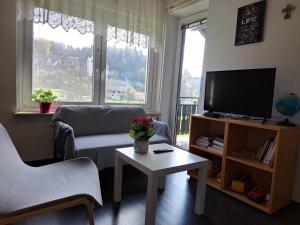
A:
[(43, 96)]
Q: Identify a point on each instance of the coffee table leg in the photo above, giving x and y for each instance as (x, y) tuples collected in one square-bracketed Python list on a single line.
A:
[(162, 182), (151, 200), (201, 189), (118, 179)]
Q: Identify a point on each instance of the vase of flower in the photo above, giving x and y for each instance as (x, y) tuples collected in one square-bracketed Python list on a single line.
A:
[(141, 146), (141, 131)]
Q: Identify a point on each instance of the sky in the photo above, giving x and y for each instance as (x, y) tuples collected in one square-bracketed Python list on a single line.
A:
[(193, 52), (72, 37)]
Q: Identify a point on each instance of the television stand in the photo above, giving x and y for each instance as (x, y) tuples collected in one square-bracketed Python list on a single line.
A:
[(243, 139), (212, 115)]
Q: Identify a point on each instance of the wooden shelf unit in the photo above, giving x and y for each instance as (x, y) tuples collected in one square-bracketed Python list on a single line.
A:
[(252, 163), (211, 181), (264, 207), (214, 152), (248, 135)]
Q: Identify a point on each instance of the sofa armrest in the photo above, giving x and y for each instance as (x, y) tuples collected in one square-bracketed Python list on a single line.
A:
[(64, 143), (162, 129)]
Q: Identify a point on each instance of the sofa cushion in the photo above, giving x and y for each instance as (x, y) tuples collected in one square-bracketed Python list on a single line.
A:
[(100, 148), (110, 140), (92, 119)]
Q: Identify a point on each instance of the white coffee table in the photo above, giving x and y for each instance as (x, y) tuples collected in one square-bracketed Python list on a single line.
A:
[(156, 167)]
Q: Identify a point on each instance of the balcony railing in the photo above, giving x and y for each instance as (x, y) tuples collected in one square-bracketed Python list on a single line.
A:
[(186, 107)]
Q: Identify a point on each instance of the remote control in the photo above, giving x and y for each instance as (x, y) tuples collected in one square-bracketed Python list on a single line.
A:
[(162, 151)]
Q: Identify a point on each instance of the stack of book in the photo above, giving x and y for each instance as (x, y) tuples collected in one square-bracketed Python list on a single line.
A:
[(266, 152), (218, 143), (204, 141), (213, 143)]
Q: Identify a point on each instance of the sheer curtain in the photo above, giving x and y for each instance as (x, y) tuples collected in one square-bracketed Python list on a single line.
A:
[(138, 22)]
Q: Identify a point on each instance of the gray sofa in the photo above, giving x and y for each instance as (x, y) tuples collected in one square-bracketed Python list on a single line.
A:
[(95, 131)]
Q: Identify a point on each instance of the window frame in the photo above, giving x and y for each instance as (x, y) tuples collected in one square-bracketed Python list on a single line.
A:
[(24, 71), (149, 77)]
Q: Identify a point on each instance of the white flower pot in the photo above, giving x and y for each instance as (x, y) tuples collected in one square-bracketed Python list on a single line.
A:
[(141, 146)]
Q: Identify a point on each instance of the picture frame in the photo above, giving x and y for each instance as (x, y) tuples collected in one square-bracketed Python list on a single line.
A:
[(250, 23)]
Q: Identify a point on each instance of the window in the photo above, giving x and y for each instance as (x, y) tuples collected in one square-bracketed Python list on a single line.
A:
[(126, 72), (63, 61), (82, 67)]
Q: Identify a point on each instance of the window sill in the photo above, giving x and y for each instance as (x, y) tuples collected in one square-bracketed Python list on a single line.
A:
[(152, 114), (33, 114)]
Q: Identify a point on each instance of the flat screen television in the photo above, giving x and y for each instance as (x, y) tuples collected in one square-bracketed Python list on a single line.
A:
[(243, 92)]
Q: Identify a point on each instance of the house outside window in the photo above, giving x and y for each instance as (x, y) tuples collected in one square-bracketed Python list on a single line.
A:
[(126, 72)]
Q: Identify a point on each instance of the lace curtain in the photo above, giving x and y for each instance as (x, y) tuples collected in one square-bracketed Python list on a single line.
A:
[(55, 19), (138, 22)]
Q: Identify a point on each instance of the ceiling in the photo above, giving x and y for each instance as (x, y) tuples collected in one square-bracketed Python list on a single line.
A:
[(189, 8)]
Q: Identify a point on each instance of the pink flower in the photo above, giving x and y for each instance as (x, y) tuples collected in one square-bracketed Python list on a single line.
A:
[(145, 120)]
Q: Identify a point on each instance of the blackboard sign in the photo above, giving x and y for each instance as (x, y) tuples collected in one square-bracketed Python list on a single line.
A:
[(250, 23)]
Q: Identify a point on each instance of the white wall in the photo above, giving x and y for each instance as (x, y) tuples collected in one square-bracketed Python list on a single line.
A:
[(280, 49), (31, 134)]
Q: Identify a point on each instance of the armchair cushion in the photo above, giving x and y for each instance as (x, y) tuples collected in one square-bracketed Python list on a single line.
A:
[(24, 188)]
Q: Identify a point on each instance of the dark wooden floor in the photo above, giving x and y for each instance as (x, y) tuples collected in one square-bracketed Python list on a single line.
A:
[(175, 206)]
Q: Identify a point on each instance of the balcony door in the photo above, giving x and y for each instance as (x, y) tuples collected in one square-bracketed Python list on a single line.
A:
[(191, 63)]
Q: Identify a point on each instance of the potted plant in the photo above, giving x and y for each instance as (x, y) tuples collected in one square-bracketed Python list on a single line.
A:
[(45, 97), (141, 131)]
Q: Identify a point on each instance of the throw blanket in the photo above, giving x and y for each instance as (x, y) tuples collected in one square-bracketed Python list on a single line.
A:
[(162, 129), (62, 131)]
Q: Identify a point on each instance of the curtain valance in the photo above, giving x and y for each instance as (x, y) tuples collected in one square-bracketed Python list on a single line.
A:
[(135, 21), (55, 19)]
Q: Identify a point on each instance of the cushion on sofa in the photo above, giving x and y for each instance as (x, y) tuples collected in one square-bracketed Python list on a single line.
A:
[(110, 140), (100, 148), (92, 120)]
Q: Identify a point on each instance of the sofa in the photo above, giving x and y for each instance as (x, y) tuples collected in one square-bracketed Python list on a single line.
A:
[(95, 131)]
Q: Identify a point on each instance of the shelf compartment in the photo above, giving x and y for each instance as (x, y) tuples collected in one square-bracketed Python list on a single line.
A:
[(235, 169), (252, 163), (204, 127), (214, 152), (263, 206), (211, 181), (242, 138)]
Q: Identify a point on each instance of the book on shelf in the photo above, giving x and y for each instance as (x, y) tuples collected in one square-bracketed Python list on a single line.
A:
[(212, 143), (215, 142), (202, 141), (266, 152), (219, 139), (214, 148), (271, 152), (202, 145)]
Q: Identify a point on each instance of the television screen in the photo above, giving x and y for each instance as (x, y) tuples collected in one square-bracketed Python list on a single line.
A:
[(243, 92)]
